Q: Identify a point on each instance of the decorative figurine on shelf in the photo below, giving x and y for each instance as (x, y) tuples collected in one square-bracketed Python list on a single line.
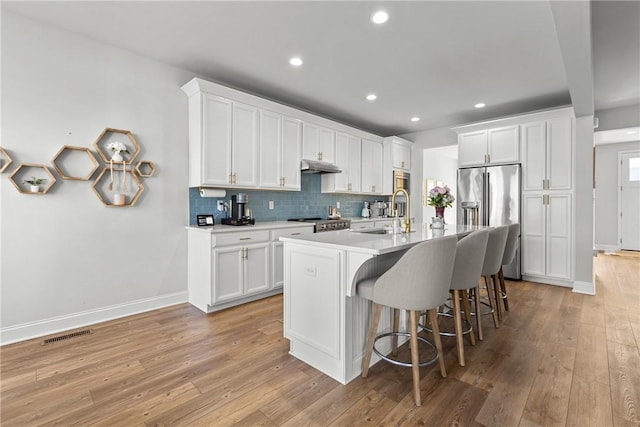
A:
[(117, 148), (440, 198), (35, 183)]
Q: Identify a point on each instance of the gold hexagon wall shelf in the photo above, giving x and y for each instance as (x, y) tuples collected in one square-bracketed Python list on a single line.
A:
[(110, 135), (107, 190), (145, 168), (25, 171), (5, 160), (68, 163)]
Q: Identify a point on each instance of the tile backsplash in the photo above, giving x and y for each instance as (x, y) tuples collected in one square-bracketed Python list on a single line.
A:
[(309, 202)]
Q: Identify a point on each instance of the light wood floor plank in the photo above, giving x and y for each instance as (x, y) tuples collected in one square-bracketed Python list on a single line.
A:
[(589, 404)]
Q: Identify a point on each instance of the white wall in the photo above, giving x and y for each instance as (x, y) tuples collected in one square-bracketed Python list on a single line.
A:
[(441, 163), (432, 138), (606, 194), (67, 260)]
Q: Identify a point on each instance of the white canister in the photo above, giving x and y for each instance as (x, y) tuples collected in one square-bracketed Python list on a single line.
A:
[(118, 199)]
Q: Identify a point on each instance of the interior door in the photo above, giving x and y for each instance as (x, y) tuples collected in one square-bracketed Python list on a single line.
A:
[(630, 201)]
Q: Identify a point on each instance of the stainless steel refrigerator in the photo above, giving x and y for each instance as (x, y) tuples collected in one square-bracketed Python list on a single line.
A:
[(491, 196)]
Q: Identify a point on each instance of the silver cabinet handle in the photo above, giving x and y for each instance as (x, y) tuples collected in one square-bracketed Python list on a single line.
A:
[(245, 238), (295, 234)]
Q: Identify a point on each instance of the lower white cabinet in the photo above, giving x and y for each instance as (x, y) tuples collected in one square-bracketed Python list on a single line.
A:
[(239, 271), (546, 237), (277, 249)]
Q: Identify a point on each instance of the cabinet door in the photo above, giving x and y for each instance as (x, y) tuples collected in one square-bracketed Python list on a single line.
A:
[(503, 145), (310, 141), (327, 144), (559, 153), (355, 164), (216, 140), (533, 235), (401, 155), (291, 152), (559, 236), (533, 155), (227, 274), (472, 148), (270, 137), (340, 181), (245, 145), (371, 167), (256, 269)]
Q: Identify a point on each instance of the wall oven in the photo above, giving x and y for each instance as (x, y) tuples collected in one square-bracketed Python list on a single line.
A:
[(400, 180)]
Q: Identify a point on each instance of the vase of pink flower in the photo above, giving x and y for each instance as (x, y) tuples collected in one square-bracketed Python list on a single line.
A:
[(440, 198)]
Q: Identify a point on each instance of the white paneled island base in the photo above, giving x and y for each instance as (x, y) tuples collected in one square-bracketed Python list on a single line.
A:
[(324, 319)]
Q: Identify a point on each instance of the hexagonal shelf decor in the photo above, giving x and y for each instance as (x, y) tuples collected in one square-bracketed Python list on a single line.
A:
[(5, 160), (124, 189), (75, 163), (145, 168), (112, 136), (28, 171)]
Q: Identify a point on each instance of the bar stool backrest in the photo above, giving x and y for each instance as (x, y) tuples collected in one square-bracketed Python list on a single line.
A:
[(512, 243), (420, 279), (470, 253), (495, 250)]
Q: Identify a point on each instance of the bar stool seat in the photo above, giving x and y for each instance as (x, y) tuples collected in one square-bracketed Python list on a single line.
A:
[(492, 263), (507, 258), (418, 282)]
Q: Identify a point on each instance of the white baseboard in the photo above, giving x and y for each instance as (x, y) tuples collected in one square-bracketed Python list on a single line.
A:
[(584, 288), (606, 248), (54, 325)]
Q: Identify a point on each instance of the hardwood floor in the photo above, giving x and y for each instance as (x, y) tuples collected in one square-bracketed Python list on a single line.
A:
[(559, 358)]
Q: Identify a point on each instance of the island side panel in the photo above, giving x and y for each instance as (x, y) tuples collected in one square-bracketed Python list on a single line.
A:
[(199, 269), (314, 307)]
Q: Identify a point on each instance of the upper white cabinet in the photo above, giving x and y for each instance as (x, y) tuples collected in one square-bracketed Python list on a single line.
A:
[(349, 159), (280, 151), (489, 146), (547, 159), (371, 167), (396, 157), (244, 146), (318, 143)]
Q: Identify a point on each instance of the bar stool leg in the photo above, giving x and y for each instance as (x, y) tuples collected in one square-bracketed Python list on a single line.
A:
[(476, 294), (491, 292), (467, 314), (435, 327), (395, 326), (503, 289), (457, 316), (415, 359), (498, 294), (371, 336)]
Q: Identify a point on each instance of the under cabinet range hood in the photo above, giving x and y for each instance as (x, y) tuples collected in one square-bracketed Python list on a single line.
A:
[(315, 166)]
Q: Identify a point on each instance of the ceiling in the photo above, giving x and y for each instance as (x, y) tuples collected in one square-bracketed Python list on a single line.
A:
[(432, 59)]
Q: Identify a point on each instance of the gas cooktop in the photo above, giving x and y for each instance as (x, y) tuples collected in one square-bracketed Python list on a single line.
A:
[(325, 224)]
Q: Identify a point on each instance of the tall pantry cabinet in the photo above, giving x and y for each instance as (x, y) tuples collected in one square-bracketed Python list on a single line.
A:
[(547, 149)]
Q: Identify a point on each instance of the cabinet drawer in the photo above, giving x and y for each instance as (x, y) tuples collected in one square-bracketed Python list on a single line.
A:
[(241, 238), (297, 231)]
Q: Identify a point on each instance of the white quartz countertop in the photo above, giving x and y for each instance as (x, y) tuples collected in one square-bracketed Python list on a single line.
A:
[(262, 225), (378, 244)]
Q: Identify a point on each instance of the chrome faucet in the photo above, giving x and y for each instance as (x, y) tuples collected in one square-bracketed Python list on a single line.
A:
[(407, 214)]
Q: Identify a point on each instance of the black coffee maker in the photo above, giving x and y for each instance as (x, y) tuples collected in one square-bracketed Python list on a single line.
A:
[(238, 211)]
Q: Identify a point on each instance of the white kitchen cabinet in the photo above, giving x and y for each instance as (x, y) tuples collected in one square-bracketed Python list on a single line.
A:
[(277, 249), (399, 152), (546, 236), (489, 146), (349, 159), (371, 167), (547, 154), (318, 143), (280, 151), (239, 271), (223, 142)]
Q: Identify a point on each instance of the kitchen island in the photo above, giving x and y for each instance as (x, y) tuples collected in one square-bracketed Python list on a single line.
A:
[(324, 320)]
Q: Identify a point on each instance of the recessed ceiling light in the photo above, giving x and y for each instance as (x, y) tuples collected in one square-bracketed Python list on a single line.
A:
[(380, 17), (480, 105), (631, 132), (295, 61), (371, 97), (415, 119)]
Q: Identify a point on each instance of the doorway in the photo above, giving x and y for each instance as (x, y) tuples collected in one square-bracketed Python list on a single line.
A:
[(629, 200)]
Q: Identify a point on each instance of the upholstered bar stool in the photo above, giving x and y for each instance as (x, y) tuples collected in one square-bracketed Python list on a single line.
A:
[(470, 254), (418, 282), (491, 266), (507, 258)]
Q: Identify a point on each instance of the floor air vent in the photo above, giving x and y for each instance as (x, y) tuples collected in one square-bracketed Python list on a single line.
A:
[(67, 336)]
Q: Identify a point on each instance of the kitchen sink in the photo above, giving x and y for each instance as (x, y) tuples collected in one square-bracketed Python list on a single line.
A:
[(374, 230)]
